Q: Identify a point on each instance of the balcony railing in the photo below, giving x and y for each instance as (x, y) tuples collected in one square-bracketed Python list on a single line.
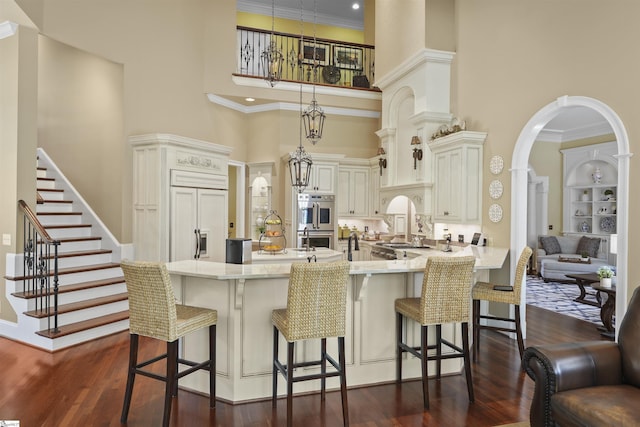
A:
[(336, 63)]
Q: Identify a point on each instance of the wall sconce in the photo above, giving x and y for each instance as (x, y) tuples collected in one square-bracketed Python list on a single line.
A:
[(417, 152), (382, 162)]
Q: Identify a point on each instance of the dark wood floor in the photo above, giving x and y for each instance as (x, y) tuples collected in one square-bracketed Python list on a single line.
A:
[(84, 386)]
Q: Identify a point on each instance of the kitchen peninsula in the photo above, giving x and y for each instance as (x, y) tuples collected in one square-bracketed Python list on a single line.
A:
[(295, 255), (245, 294)]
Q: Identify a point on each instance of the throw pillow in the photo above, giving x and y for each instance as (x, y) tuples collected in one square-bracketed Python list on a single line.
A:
[(550, 245), (590, 245)]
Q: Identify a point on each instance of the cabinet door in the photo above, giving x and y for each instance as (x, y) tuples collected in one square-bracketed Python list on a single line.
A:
[(359, 192), (449, 185), (212, 224), (343, 205), (323, 178), (184, 222), (374, 192)]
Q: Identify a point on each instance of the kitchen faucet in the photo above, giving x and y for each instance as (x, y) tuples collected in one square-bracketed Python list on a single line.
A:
[(307, 245), (353, 235)]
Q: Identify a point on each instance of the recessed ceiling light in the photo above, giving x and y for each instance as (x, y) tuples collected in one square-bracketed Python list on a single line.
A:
[(249, 99), (355, 6)]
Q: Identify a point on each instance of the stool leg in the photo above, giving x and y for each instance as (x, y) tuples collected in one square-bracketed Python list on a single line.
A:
[(172, 365), (290, 384), (274, 378), (467, 360), (425, 372), (323, 367), (131, 376), (438, 351), (212, 366), (398, 348), (519, 331), (476, 329), (343, 381)]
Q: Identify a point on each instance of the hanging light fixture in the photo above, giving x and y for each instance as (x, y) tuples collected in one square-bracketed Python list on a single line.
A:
[(271, 57), (313, 116), (300, 162)]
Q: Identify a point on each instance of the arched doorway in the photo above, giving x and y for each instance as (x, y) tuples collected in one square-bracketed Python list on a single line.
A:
[(519, 181)]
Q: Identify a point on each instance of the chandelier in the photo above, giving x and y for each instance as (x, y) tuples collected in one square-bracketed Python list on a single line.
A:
[(271, 57), (300, 162), (313, 117)]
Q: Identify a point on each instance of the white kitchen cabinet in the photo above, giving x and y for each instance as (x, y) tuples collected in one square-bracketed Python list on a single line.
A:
[(162, 163), (458, 177), (374, 192), (353, 191), (590, 200), (322, 179), (196, 224)]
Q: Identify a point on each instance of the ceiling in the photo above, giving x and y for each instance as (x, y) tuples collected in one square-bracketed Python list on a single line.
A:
[(575, 123), (329, 12)]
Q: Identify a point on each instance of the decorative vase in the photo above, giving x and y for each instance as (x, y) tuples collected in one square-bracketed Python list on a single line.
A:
[(585, 197), (605, 282), (597, 176)]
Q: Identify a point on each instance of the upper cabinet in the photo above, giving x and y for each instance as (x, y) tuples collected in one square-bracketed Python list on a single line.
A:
[(590, 189), (458, 177), (322, 179), (353, 191)]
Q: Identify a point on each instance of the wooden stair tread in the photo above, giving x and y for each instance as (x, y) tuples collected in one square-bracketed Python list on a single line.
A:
[(78, 239), (75, 287), (82, 253), (84, 325), (56, 201), (71, 270), (80, 305), (45, 179), (59, 213), (55, 190)]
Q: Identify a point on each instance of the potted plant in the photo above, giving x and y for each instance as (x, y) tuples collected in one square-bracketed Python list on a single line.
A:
[(605, 274), (585, 256), (608, 194)]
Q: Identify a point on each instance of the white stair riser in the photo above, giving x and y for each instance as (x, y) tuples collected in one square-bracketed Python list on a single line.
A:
[(60, 233), (46, 184), (52, 195), (86, 314), (81, 245), (54, 207), (59, 219), (77, 296), (87, 276), (88, 335), (41, 173), (85, 260)]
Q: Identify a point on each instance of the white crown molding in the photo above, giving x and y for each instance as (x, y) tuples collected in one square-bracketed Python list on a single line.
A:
[(294, 14), (289, 106), (177, 140), (7, 29), (410, 64), (560, 136)]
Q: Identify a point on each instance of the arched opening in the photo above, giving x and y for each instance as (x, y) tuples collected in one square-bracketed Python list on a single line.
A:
[(520, 181)]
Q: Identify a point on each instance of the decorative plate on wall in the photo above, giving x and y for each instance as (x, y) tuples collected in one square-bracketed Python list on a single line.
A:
[(608, 224), (496, 164), (495, 212), (495, 189)]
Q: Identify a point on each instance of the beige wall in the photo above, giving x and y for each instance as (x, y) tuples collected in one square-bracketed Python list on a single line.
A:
[(514, 58), (546, 160)]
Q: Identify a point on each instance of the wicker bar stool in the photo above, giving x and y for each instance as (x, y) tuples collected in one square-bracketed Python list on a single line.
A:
[(500, 293), (154, 313), (445, 298), (316, 309)]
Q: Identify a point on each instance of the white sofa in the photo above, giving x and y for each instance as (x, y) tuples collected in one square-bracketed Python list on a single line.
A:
[(548, 266)]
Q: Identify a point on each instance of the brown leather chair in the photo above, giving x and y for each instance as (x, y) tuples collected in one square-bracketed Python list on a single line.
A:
[(593, 383)]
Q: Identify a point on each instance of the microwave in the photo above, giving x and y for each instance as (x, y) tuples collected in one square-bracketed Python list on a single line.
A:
[(315, 212)]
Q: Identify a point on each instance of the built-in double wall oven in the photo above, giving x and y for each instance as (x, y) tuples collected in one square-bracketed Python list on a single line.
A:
[(315, 220)]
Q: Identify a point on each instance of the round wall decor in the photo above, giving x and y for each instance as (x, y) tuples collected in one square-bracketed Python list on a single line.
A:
[(495, 189), (495, 212), (496, 164)]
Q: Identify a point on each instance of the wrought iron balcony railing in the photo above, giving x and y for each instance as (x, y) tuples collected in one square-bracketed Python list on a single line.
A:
[(336, 63)]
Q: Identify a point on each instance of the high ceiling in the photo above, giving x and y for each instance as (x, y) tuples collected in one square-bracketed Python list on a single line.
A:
[(330, 12)]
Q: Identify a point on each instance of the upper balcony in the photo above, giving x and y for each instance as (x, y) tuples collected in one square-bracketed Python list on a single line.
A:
[(336, 64)]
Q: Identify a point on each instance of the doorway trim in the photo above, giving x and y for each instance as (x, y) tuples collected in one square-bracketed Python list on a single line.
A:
[(519, 180)]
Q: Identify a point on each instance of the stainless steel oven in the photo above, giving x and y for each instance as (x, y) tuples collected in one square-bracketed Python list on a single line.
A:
[(315, 212), (317, 239)]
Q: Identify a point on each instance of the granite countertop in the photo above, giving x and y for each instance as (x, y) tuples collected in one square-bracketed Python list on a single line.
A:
[(486, 258), (294, 254)]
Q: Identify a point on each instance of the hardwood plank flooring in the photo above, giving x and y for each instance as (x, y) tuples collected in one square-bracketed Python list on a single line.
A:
[(84, 386)]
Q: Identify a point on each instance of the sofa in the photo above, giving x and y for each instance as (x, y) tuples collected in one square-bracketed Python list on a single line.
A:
[(592, 383), (551, 248)]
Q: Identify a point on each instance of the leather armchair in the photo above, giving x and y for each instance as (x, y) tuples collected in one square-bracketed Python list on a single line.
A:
[(594, 383)]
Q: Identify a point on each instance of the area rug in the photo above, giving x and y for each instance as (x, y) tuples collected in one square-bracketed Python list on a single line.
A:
[(559, 297)]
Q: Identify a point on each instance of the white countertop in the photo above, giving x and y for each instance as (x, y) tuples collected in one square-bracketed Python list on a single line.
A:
[(486, 258), (293, 254)]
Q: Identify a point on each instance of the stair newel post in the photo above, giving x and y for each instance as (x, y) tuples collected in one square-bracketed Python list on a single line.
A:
[(55, 286)]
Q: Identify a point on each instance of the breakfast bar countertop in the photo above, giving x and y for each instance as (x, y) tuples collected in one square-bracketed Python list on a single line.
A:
[(486, 258)]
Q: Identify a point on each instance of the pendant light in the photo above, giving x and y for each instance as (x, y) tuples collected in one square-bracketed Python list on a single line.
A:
[(300, 162), (313, 116), (271, 57)]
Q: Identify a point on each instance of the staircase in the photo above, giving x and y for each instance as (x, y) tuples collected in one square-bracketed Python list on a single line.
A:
[(92, 296)]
